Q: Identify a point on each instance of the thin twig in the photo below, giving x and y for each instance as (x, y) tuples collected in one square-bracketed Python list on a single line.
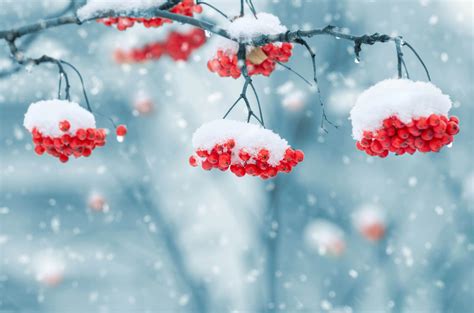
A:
[(212, 7), (419, 59), (318, 89), (295, 72)]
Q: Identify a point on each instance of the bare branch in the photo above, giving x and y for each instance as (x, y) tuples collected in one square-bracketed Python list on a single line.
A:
[(324, 117)]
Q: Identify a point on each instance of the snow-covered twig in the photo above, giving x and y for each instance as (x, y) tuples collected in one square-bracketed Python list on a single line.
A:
[(161, 11)]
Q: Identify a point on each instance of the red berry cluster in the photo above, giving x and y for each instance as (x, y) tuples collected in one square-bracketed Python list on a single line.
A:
[(178, 46), (185, 7), (226, 65), (424, 134), (79, 144), (255, 165)]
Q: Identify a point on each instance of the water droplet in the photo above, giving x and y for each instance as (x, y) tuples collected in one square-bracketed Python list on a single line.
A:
[(207, 33), (338, 37), (29, 67), (120, 138), (356, 60)]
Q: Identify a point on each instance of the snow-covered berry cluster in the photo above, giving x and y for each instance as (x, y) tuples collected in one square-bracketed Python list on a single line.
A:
[(62, 129), (370, 221), (402, 116), (178, 46), (245, 149), (420, 134), (259, 60), (80, 143), (185, 7), (325, 238)]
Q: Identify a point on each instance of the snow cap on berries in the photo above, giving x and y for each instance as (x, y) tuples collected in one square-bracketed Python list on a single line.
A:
[(250, 137), (249, 27), (92, 7), (403, 98), (46, 115)]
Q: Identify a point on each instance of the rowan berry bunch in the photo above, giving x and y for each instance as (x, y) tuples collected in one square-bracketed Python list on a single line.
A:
[(260, 60), (185, 7), (178, 46), (243, 162), (78, 144), (424, 134)]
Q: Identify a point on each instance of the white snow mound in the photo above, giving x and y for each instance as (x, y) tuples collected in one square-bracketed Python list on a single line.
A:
[(251, 137), (94, 7), (45, 116), (404, 98), (248, 27)]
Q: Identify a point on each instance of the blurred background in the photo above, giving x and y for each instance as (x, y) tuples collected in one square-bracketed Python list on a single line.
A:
[(134, 228)]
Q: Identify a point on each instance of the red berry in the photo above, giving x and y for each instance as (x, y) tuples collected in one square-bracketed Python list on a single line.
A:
[(251, 169), (387, 123), (90, 133), (397, 123), (422, 123), (121, 130), (66, 139), (63, 158), (414, 131), (230, 144), (367, 134), (376, 146), (454, 119), (64, 125), (452, 128), (383, 154), (238, 170), (427, 134), (403, 133), (244, 156), (224, 161), (440, 128), (206, 165), (86, 152), (202, 153), (263, 155), (299, 155), (433, 120), (435, 145), (213, 158), (359, 146), (193, 161), (36, 133), (397, 142), (81, 134), (391, 131), (39, 150)]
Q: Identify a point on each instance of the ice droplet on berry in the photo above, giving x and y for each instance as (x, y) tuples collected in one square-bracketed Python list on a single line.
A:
[(120, 138)]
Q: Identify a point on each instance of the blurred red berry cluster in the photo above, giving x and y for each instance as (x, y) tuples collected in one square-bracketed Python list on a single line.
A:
[(79, 144), (425, 134), (242, 162), (178, 46), (264, 62), (185, 7)]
